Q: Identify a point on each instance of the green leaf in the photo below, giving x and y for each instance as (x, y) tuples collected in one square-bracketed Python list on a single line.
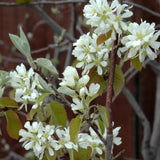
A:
[(59, 115), (104, 113), (85, 154), (31, 114), (136, 63), (118, 80), (13, 124), (47, 64), (45, 86), (67, 91), (101, 125), (3, 77), (7, 102), (22, 44), (42, 97), (74, 127)]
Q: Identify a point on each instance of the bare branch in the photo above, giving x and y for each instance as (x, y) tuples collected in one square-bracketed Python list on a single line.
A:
[(143, 8), (13, 4), (146, 149), (50, 46), (54, 26), (13, 156), (155, 138), (119, 154)]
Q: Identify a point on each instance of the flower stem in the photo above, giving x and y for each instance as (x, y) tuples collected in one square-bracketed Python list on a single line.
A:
[(109, 96)]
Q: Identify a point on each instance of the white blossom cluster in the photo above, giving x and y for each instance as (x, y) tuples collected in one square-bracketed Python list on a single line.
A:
[(40, 138), (26, 86), (104, 17), (141, 41), (90, 55), (92, 140), (137, 40), (83, 95)]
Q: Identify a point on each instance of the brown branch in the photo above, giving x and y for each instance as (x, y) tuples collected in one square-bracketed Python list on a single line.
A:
[(109, 96)]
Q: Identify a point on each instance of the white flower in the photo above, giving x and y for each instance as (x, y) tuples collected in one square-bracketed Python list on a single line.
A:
[(141, 41), (70, 76), (105, 17), (26, 84), (92, 140), (77, 104), (90, 55), (64, 140), (38, 138), (93, 89), (116, 140)]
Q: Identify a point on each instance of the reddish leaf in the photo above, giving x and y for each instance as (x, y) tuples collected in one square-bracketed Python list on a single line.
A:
[(103, 37)]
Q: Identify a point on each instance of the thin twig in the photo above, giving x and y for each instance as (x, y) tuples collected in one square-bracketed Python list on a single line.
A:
[(143, 8), (119, 154), (13, 4), (54, 26), (50, 46)]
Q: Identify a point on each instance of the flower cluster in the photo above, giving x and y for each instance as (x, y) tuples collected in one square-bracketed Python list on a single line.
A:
[(90, 55), (92, 140), (40, 138), (104, 17), (141, 41), (82, 95), (26, 86)]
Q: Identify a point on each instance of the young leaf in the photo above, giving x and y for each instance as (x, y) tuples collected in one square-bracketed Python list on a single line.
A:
[(47, 64), (118, 80), (31, 114), (136, 63), (45, 85), (42, 97), (3, 77), (67, 91), (7, 102), (104, 113), (59, 115), (74, 127), (13, 124), (22, 44)]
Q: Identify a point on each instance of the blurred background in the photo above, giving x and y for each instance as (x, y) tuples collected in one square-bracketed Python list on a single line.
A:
[(47, 41)]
